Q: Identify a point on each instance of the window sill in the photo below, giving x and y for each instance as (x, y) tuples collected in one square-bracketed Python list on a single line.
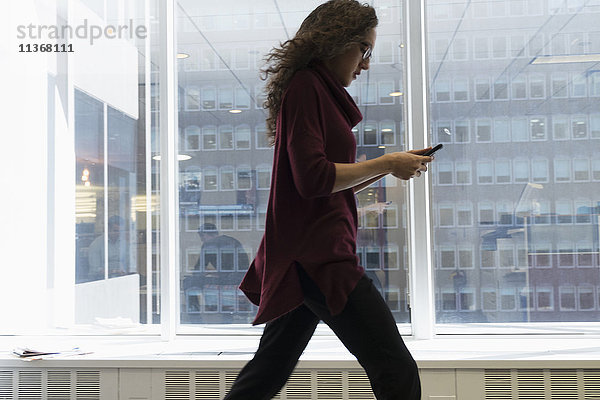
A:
[(211, 351)]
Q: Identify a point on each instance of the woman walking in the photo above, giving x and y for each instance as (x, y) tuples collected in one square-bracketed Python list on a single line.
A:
[(306, 269)]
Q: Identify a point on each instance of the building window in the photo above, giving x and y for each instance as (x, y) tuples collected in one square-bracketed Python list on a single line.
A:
[(486, 213), (485, 172), (444, 131), (385, 88), (489, 299), (463, 172), (499, 47), (537, 126), (567, 298), (192, 138), (501, 130), (225, 98), (442, 90), (537, 87), (242, 98), (482, 89), (560, 85), (448, 300), (467, 299), (244, 178), (503, 173), (519, 89), (519, 130), (445, 172), (262, 141), (446, 212), (506, 256), (501, 89), (192, 99), (225, 137), (579, 127), (210, 179), (504, 211), (369, 93), (242, 137), (481, 49), (263, 177), (227, 178), (539, 170), (209, 98), (465, 257), (461, 89), (483, 130), (595, 126), (508, 299), (372, 258), (564, 213), (209, 138), (544, 298), (391, 257), (460, 49), (447, 257), (464, 214), (581, 170), (562, 170), (370, 134), (560, 128), (462, 131), (578, 85), (521, 170), (586, 298), (388, 133)]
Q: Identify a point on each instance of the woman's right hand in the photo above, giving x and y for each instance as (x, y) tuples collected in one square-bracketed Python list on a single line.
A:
[(406, 165)]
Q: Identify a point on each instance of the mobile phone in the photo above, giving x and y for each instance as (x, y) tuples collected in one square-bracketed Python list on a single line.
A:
[(433, 150)]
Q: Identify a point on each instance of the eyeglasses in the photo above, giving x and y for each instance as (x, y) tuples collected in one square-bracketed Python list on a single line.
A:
[(367, 52)]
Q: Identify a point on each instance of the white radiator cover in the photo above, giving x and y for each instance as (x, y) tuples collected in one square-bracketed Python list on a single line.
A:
[(304, 384)]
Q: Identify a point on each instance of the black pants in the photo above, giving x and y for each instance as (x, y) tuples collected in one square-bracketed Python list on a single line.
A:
[(366, 327)]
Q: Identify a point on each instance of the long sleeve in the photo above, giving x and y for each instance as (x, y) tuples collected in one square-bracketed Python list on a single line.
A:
[(313, 173)]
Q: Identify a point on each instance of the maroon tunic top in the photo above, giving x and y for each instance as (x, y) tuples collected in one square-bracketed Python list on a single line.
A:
[(306, 223)]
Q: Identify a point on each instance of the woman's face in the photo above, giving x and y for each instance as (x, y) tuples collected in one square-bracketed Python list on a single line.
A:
[(348, 65)]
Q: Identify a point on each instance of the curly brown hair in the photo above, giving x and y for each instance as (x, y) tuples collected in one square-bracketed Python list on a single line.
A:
[(328, 31)]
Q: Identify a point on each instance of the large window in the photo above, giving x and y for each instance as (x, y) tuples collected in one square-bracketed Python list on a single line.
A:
[(222, 222), (531, 156)]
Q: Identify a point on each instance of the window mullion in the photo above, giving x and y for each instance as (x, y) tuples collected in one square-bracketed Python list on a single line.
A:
[(169, 246), (420, 252)]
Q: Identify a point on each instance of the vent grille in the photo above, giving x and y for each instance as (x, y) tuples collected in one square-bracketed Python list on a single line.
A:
[(591, 383), (6, 385), (303, 385), (299, 386), (563, 384), (537, 384), (207, 385), (87, 385), (59, 385), (177, 385), (530, 383), (359, 387), (30, 385), (498, 384), (329, 385), (229, 379)]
